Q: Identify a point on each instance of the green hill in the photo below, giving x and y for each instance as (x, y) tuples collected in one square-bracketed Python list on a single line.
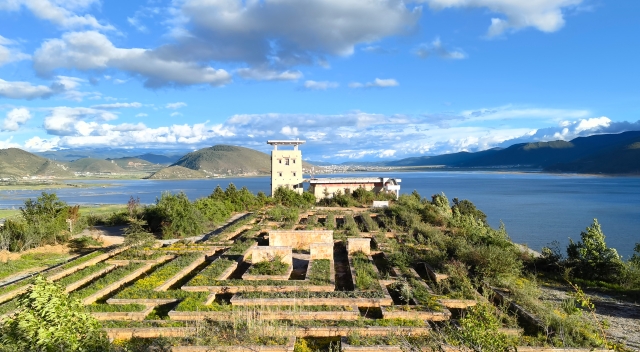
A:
[(229, 160), (17, 163), (622, 159), (177, 172), (606, 153), (91, 165)]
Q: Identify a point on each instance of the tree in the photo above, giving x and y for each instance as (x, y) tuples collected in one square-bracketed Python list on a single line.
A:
[(48, 320), (591, 258), (465, 207)]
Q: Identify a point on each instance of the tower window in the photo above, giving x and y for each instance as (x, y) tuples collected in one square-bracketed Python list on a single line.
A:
[(294, 174), (280, 174), (294, 161), (286, 161), (279, 161)]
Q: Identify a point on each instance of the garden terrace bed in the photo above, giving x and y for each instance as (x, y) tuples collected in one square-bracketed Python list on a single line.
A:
[(296, 313), (139, 255), (110, 282), (10, 291), (286, 347), (306, 298), (392, 342), (84, 276), (321, 272), (364, 272), (149, 287), (414, 312), (126, 312), (217, 270)]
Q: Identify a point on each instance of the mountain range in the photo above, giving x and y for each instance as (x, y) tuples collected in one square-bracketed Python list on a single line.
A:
[(606, 153)]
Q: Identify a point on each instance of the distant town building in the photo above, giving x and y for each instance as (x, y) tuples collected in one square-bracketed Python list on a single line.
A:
[(286, 166), (327, 187)]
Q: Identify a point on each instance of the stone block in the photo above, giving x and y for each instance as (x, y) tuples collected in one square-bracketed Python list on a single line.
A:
[(299, 239), (321, 251), (262, 253), (359, 244)]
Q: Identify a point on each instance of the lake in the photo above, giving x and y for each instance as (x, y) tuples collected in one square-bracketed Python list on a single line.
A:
[(536, 208)]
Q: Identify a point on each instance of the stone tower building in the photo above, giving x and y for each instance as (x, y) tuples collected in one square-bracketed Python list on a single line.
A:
[(286, 166)]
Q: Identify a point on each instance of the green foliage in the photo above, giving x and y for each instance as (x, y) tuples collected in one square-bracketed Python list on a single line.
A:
[(106, 280), (402, 289), (144, 287), (271, 266), (49, 320), (209, 276), (175, 216), (479, 331), (465, 207), (280, 213), (366, 275), (108, 308), (320, 272), (290, 198), (591, 258), (349, 226), (68, 280), (28, 261), (84, 242), (43, 221)]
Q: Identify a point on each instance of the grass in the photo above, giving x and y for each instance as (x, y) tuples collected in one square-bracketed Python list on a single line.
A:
[(109, 308), (106, 280), (320, 273), (366, 276), (209, 276), (274, 266), (30, 261), (80, 274)]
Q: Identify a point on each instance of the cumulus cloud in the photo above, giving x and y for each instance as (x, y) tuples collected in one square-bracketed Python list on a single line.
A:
[(176, 105), (283, 33), (15, 118), (377, 83), (142, 114), (24, 90), (59, 12), (320, 85), (92, 50), (436, 48), (8, 144), (8, 53), (269, 75), (175, 114), (65, 121), (510, 112), (544, 15)]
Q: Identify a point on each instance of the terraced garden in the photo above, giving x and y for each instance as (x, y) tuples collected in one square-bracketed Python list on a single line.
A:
[(354, 286)]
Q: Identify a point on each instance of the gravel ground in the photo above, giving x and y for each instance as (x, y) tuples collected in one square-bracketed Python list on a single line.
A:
[(623, 317)]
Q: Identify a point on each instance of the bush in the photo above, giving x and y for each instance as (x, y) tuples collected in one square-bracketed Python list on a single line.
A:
[(175, 216), (48, 320), (591, 259)]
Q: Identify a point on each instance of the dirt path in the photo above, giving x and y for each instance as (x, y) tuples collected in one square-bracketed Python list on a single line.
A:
[(623, 317)]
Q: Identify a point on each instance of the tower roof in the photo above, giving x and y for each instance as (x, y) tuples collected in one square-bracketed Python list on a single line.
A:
[(285, 142)]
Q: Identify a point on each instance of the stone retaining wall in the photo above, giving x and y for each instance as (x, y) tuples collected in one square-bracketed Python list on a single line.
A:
[(321, 251), (299, 239), (353, 314), (360, 302), (359, 245), (74, 286), (251, 288), (264, 253), (414, 314), (289, 347)]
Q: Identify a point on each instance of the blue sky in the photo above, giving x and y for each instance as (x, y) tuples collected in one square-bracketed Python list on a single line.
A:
[(358, 80)]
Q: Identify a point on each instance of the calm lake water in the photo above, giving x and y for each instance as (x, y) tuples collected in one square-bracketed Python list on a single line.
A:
[(536, 208)]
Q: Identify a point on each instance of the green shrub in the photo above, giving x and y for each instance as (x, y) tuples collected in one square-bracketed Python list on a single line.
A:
[(591, 258), (175, 216), (272, 266)]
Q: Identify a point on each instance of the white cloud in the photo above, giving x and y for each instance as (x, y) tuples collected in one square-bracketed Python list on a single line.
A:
[(58, 12), (69, 83), (436, 48), (64, 121), (377, 83), (320, 85), (509, 112), (268, 75), (176, 105), (15, 118), (142, 114), (91, 50), (24, 90), (544, 15), (8, 144), (8, 53), (120, 81), (37, 144), (284, 33), (289, 131), (117, 106), (175, 114)]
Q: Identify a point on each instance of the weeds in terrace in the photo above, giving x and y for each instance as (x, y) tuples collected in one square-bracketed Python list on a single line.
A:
[(312, 222), (330, 222), (402, 289), (272, 266), (350, 227), (458, 285), (366, 276), (320, 273), (369, 224), (209, 276), (109, 308), (479, 331)]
